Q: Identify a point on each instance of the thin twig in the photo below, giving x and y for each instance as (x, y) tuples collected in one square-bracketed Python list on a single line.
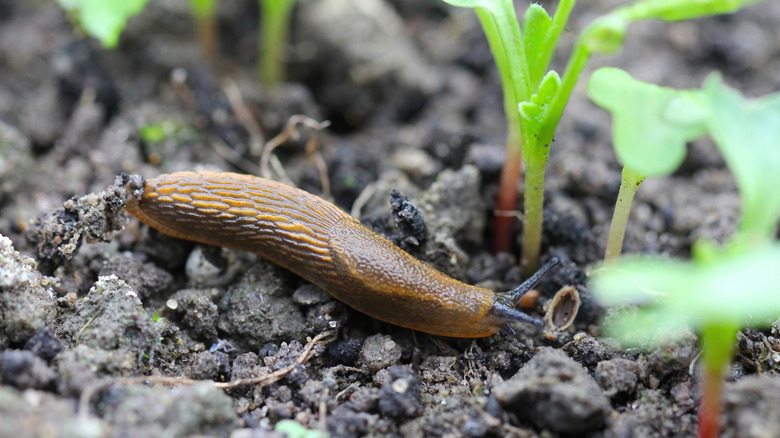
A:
[(306, 354), (312, 146), (244, 115)]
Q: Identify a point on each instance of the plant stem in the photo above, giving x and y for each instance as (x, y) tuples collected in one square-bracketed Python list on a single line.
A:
[(503, 223), (532, 217), (205, 19), (535, 156), (275, 20), (718, 345), (629, 183)]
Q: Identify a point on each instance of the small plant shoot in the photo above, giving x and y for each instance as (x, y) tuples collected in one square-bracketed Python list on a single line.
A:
[(651, 125), (204, 12), (534, 98), (102, 19), (723, 288), (275, 21)]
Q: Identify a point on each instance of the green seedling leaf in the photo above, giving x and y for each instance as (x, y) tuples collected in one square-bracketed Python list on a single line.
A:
[(535, 111), (731, 289), (676, 10), (748, 135), (649, 132), (104, 19), (536, 32)]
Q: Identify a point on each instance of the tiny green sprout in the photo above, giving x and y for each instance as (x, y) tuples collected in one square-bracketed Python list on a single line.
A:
[(294, 430), (103, 19), (534, 98), (721, 291), (155, 317), (158, 132), (275, 21), (650, 128), (652, 124)]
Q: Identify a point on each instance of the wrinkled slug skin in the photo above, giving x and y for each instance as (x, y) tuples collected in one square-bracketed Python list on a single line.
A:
[(316, 240)]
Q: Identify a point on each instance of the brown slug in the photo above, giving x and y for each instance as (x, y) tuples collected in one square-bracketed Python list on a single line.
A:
[(321, 243)]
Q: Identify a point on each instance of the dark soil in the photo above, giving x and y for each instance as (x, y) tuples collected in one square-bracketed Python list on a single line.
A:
[(90, 299)]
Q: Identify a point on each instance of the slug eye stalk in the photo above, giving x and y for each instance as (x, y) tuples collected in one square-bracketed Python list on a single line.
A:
[(505, 302), (513, 296)]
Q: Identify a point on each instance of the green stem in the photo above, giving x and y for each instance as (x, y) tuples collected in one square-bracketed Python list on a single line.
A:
[(629, 183), (536, 156), (532, 217), (718, 345), (275, 19)]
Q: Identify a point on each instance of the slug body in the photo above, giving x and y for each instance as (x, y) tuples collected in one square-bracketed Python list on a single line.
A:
[(319, 242)]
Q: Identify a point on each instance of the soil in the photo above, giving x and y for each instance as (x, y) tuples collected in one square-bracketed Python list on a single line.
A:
[(91, 301)]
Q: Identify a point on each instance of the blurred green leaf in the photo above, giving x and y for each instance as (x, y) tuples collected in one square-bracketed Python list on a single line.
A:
[(748, 135), (676, 10), (731, 288), (104, 19)]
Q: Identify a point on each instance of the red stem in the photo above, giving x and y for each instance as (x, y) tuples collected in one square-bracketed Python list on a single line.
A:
[(709, 408), (504, 221)]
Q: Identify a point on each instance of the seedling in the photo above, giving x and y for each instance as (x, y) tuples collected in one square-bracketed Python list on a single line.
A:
[(204, 12), (534, 100), (104, 20), (722, 289), (650, 128), (275, 17)]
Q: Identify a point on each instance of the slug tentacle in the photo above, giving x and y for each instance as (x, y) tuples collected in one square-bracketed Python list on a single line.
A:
[(321, 243)]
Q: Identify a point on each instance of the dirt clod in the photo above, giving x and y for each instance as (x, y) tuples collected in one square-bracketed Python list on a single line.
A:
[(378, 352), (554, 392)]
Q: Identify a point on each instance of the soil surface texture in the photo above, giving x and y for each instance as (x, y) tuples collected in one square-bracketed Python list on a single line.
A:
[(111, 329)]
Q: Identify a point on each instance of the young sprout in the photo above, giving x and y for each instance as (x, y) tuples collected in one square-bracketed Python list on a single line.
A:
[(534, 99), (275, 20), (204, 12), (651, 126), (104, 20), (722, 289)]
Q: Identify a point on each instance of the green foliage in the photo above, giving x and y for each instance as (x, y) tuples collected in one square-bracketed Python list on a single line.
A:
[(203, 8), (294, 430), (534, 99), (736, 289), (103, 19), (159, 132), (748, 135), (649, 130), (721, 289), (676, 10)]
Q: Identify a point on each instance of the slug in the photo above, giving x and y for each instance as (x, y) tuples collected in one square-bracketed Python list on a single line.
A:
[(321, 243)]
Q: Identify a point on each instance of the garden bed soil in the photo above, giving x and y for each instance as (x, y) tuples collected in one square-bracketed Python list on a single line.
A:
[(91, 301)]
